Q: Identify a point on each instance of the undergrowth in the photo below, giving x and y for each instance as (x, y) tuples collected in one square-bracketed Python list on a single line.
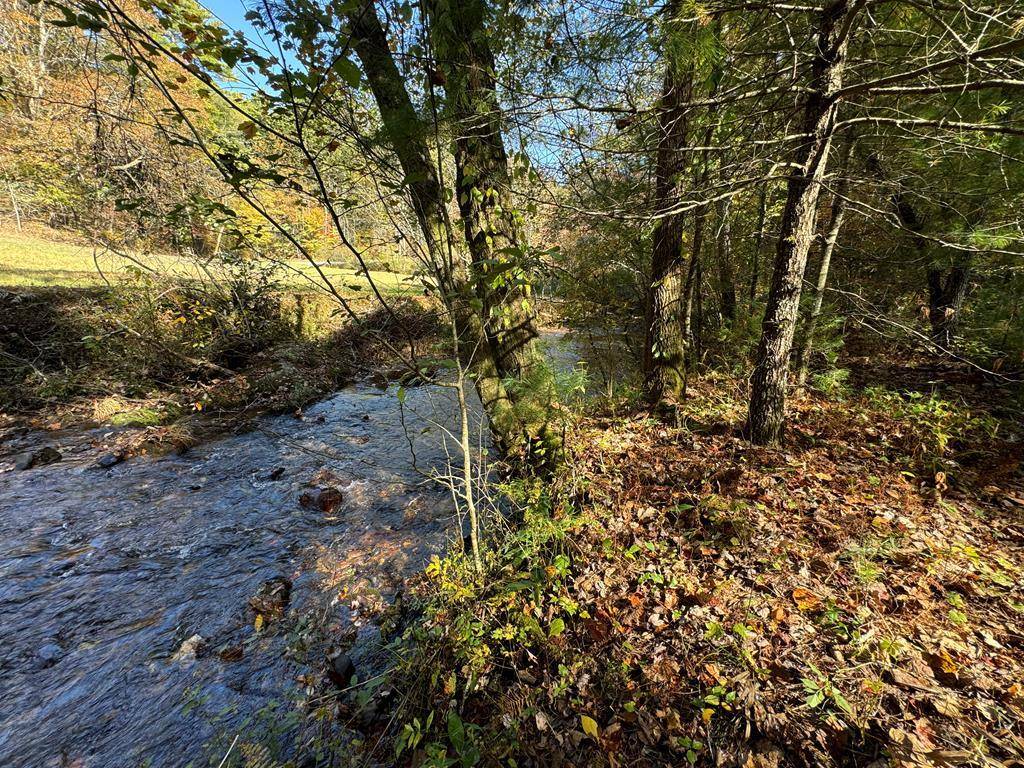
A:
[(679, 597), (151, 354)]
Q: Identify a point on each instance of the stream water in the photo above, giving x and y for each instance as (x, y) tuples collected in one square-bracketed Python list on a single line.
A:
[(105, 573)]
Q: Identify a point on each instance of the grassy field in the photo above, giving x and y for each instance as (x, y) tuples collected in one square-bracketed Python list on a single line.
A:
[(31, 260)]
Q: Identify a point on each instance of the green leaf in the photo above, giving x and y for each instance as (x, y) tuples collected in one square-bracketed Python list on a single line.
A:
[(456, 732), (589, 726), (349, 72)]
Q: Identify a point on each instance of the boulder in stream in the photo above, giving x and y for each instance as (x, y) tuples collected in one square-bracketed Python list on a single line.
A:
[(340, 668), (271, 599), (40, 458), (190, 649)]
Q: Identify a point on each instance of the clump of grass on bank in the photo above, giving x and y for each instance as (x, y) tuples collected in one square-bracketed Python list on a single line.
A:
[(683, 597)]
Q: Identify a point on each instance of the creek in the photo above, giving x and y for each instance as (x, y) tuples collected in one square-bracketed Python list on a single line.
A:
[(105, 574)]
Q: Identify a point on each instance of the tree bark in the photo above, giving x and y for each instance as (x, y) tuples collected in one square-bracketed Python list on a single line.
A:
[(726, 268), (771, 371), (665, 342)]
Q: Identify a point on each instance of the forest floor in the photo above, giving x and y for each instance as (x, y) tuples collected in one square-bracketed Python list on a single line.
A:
[(684, 597)]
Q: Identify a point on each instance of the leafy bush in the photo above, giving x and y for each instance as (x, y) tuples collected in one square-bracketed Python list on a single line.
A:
[(935, 424)]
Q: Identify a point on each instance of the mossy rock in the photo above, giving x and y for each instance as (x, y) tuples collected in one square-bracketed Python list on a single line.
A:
[(146, 416)]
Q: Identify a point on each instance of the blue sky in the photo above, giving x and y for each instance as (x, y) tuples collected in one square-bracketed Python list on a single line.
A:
[(231, 12)]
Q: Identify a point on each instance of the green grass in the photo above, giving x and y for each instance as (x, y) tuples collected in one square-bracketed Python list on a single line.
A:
[(32, 261)]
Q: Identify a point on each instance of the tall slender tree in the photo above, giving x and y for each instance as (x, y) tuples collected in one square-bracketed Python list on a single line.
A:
[(810, 160)]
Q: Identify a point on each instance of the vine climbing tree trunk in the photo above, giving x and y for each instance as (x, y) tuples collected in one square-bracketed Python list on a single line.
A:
[(820, 105), (493, 226)]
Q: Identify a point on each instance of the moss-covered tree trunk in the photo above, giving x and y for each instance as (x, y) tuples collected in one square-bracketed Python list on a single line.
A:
[(493, 227), (665, 340), (490, 365)]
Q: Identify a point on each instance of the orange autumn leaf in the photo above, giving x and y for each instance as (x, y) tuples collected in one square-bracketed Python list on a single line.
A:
[(806, 600)]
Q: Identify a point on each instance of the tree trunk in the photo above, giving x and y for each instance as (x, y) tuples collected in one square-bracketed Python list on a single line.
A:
[(945, 300), (771, 371), (408, 136), (726, 269), (692, 273), (493, 227), (755, 265), (946, 293), (838, 213), (692, 315), (665, 343), (803, 356)]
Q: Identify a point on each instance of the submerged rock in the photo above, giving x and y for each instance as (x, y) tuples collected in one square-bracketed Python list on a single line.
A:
[(327, 500), (190, 649), (40, 458), (340, 668), (271, 599), (231, 653), (108, 460), (49, 655)]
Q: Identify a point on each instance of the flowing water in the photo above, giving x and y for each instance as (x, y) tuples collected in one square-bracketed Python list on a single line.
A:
[(105, 573)]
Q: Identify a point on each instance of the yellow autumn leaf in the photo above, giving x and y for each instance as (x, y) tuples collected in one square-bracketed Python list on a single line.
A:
[(258, 624), (589, 726), (434, 567)]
